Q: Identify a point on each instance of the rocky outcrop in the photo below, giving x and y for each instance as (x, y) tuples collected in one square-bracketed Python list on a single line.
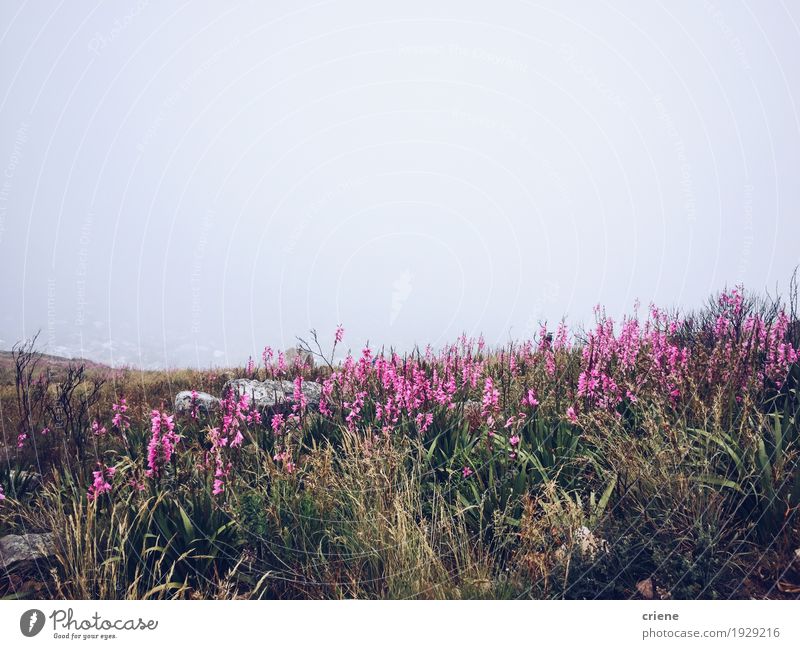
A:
[(269, 394), (204, 401), (16, 549)]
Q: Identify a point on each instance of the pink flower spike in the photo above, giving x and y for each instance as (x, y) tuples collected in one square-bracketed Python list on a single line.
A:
[(120, 420), (101, 482), (530, 399), (162, 442), (219, 487), (571, 415)]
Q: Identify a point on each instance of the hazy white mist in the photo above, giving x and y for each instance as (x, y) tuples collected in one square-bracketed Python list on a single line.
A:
[(184, 183)]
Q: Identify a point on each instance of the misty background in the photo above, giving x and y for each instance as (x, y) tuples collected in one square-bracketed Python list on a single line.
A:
[(184, 183)]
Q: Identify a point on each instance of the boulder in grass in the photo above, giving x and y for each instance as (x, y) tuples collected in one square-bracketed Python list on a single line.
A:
[(269, 394), (205, 402), (16, 549)]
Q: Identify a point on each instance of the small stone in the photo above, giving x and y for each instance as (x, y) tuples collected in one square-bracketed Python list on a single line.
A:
[(15, 549), (205, 402)]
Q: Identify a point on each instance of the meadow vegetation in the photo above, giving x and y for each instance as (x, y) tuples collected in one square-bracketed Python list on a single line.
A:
[(653, 457)]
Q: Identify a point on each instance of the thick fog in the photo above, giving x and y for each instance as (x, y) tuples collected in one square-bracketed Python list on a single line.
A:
[(185, 183)]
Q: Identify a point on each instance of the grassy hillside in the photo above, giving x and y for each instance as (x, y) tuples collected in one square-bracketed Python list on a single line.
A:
[(654, 457)]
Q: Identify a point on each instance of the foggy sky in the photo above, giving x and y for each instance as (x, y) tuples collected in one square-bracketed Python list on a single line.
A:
[(183, 183)]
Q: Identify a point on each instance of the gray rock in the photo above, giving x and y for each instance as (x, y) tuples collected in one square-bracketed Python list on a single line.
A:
[(15, 549), (292, 353), (205, 402), (313, 393), (268, 394)]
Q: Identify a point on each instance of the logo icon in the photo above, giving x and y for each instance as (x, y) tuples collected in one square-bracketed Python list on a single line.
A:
[(31, 622)]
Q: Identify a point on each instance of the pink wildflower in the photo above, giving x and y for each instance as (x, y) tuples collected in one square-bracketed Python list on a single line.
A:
[(423, 421), (120, 421), (133, 483), (162, 442), (281, 364), (530, 399), (266, 357), (101, 482), (286, 459), (299, 397), (194, 409), (491, 397), (571, 415), (277, 423)]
